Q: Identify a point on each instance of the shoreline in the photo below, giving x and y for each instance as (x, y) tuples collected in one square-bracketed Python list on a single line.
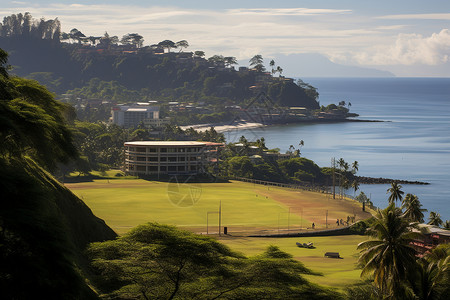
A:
[(224, 127), (243, 124)]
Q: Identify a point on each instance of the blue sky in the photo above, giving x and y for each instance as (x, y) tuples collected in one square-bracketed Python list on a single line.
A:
[(407, 38)]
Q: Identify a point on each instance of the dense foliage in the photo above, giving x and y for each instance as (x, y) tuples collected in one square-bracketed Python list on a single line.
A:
[(156, 261), (99, 67), (391, 264), (43, 226)]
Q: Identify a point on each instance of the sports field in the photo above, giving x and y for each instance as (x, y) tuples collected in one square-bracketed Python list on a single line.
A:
[(246, 207)]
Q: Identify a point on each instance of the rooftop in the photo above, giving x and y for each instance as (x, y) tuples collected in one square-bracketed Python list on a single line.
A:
[(165, 143)]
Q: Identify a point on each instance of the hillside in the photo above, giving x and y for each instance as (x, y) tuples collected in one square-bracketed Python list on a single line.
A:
[(44, 231), (135, 72)]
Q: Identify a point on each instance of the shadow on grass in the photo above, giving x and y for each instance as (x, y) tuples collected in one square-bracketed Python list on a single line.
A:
[(201, 178)]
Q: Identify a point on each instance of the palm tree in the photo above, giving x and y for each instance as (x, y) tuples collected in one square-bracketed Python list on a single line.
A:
[(389, 256), (355, 167), (412, 207), (279, 70), (355, 186), (435, 219), (447, 225), (272, 64), (431, 279), (396, 192)]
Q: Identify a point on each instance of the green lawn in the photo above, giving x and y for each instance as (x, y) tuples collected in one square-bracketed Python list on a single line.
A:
[(124, 204), (337, 272)]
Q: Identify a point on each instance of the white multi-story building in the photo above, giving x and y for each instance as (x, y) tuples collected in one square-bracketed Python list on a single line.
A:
[(133, 115)]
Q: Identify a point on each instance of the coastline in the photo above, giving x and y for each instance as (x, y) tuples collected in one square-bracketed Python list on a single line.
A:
[(242, 124), (224, 127)]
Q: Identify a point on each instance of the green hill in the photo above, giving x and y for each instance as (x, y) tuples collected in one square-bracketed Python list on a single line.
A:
[(125, 72), (44, 231)]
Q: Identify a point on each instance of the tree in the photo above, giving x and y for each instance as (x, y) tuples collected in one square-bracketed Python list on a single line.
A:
[(229, 61), (156, 261), (389, 256), (396, 192), (133, 38), (431, 280), (199, 53), (272, 64), (412, 208), (167, 44), (355, 167), (257, 63), (447, 225), (181, 44), (32, 125), (77, 35), (279, 70), (435, 219), (355, 185), (217, 59)]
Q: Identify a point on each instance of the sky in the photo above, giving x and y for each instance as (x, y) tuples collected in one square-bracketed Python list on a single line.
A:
[(406, 38)]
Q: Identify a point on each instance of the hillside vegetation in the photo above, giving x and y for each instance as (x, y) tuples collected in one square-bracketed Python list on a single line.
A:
[(101, 67), (44, 228)]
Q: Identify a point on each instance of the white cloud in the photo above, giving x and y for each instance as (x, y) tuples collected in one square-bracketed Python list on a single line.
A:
[(341, 34), (410, 49), (443, 16), (287, 11)]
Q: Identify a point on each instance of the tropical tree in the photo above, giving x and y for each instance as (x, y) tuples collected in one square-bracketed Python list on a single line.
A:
[(217, 59), (257, 63), (355, 167), (156, 261), (181, 44), (412, 208), (431, 280), (199, 53), (77, 35), (133, 38), (447, 225), (272, 65), (167, 44), (32, 123), (396, 192), (389, 256), (355, 185), (229, 61), (435, 219), (279, 70)]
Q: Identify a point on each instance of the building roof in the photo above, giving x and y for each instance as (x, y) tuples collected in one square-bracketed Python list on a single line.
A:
[(435, 230), (164, 143)]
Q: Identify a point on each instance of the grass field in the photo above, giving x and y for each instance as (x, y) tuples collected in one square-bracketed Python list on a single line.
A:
[(246, 207), (338, 273), (125, 203)]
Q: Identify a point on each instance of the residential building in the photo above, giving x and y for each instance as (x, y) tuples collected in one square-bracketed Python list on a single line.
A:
[(129, 116)]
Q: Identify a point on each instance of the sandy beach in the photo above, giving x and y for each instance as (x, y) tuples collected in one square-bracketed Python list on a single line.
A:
[(224, 126)]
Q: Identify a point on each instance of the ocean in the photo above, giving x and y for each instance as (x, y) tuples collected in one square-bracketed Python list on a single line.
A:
[(411, 143)]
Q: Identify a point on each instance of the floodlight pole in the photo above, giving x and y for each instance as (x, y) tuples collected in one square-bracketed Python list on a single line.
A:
[(333, 163), (289, 219), (301, 218), (220, 215)]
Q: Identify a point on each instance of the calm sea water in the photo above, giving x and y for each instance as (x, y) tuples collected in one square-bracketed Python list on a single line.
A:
[(412, 144)]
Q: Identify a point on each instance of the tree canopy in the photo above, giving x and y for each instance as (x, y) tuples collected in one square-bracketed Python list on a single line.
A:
[(155, 261)]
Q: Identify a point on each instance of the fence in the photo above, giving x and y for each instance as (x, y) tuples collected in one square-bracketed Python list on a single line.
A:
[(320, 189)]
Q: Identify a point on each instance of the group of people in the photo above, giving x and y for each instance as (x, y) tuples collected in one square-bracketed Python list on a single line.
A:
[(342, 222)]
